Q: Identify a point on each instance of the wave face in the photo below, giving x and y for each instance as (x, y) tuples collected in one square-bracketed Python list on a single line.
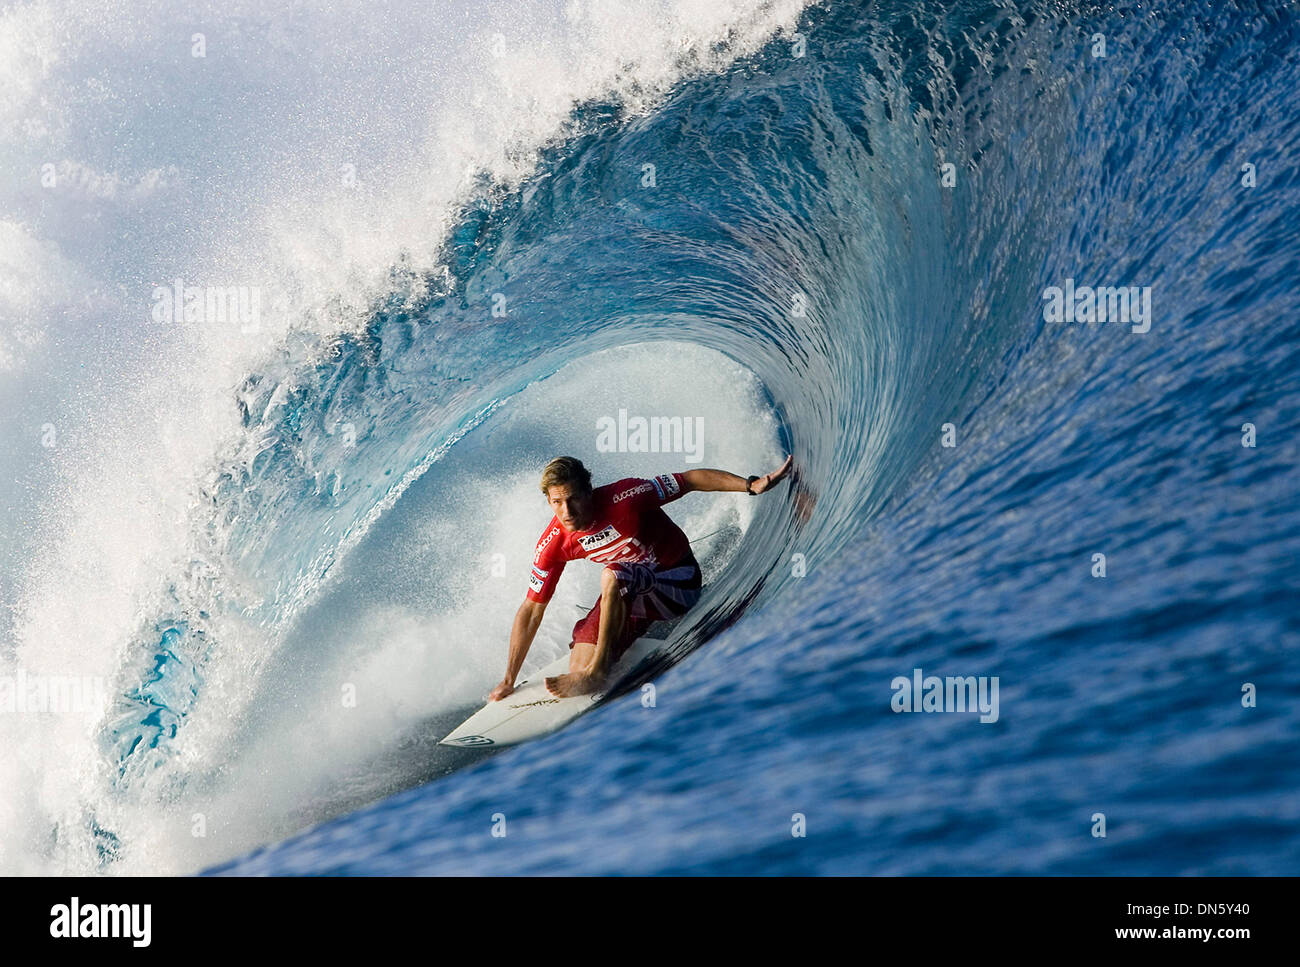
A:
[(294, 554)]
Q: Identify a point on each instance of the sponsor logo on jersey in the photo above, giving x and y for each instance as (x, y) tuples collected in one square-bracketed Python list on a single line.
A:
[(598, 540), (542, 546), (537, 579), (667, 486), (631, 550), (631, 492)]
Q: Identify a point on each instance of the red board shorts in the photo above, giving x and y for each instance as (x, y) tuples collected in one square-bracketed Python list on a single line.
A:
[(651, 595)]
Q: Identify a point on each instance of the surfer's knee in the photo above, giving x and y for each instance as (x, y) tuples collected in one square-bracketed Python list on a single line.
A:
[(611, 579)]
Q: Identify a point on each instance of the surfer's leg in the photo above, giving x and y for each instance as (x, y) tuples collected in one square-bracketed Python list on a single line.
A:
[(590, 661), (586, 632), (580, 656), (613, 614)]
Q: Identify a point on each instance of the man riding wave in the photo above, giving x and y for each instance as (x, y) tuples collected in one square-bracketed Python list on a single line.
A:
[(649, 571)]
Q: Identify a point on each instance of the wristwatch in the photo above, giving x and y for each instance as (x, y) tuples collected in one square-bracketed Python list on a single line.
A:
[(749, 482)]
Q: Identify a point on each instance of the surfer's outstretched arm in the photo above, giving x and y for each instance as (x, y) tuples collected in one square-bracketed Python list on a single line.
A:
[(707, 479), (527, 620)]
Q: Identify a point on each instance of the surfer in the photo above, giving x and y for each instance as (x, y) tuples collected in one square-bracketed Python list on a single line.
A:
[(649, 571)]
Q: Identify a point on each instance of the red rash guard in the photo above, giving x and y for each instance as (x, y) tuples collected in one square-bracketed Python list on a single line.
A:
[(627, 526)]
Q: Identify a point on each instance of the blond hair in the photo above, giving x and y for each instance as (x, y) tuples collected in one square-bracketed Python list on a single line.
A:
[(566, 470)]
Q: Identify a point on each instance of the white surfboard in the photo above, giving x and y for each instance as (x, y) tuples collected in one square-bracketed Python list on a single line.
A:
[(530, 711)]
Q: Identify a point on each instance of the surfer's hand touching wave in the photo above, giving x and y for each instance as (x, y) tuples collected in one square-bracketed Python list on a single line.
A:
[(769, 480)]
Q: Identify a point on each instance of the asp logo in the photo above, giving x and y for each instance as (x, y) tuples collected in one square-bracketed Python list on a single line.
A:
[(593, 541)]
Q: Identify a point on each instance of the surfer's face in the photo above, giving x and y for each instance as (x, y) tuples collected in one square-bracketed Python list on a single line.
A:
[(572, 506)]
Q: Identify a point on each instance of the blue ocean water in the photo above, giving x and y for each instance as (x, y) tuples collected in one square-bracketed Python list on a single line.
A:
[(781, 247)]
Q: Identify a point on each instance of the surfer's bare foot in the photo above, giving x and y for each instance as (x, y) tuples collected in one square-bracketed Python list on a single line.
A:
[(500, 692), (574, 683)]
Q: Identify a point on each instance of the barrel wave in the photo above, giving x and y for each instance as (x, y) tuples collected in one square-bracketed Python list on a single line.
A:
[(834, 235)]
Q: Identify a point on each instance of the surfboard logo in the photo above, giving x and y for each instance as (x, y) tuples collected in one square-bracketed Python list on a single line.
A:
[(473, 740)]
